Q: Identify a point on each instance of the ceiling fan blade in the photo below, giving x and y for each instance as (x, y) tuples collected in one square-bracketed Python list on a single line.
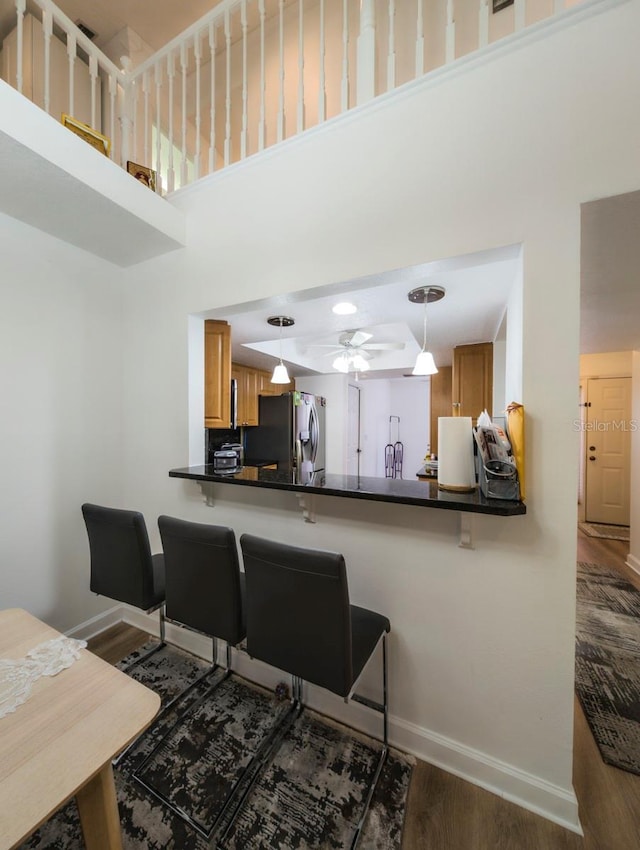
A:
[(355, 338), (384, 346)]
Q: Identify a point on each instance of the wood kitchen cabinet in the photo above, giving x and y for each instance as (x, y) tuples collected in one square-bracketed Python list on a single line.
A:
[(247, 379), (265, 387), (472, 380), (440, 402), (217, 374)]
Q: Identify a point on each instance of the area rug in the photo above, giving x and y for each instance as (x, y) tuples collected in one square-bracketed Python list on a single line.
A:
[(607, 532), (608, 662), (310, 794)]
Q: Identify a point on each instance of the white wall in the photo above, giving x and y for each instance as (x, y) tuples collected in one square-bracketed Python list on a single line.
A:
[(410, 400), (633, 558), (514, 345), (375, 402), (482, 647), (61, 426), (610, 364)]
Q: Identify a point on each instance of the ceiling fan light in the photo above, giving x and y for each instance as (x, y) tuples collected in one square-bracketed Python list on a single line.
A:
[(280, 374), (425, 364), (359, 363), (341, 363)]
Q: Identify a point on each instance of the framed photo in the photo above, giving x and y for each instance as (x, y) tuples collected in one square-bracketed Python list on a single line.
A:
[(96, 140), (498, 5), (146, 176)]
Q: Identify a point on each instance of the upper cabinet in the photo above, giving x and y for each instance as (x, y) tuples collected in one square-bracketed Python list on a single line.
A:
[(252, 383), (247, 382), (472, 380), (265, 387), (440, 402), (217, 374)]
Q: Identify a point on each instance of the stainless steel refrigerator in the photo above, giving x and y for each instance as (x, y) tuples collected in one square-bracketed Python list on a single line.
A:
[(291, 432)]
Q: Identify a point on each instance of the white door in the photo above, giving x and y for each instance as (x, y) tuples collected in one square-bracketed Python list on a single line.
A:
[(608, 450), (353, 432)]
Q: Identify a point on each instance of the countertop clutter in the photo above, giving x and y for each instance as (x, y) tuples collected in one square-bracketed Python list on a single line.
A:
[(405, 492)]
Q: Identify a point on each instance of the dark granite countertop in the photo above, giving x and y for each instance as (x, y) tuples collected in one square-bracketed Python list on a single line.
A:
[(405, 492)]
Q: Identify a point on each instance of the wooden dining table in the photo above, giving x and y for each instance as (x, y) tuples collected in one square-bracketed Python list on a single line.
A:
[(60, 742)]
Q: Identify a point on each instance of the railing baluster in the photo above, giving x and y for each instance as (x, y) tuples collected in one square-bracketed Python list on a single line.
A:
[(420, 40), (47, 30), (197, 53), (391, 57), (344, 96), (450, 34), (483, 24), (300, 110), (519, 15), (322, 93), (280, 135), (113, 89), (171, 72), (227, 129), (93, 73), (158, 81), (134, 94), (146, 144), (243, 133), (261, 123), (71, 54), (183, 160), (21, 6), (366, 72), (212, 129)]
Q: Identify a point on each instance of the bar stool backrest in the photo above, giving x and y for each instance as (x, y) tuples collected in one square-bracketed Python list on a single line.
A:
[(298, 613), (121, 561), (203, 578)]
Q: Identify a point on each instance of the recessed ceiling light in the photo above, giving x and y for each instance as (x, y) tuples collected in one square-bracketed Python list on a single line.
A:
[(344, 308)]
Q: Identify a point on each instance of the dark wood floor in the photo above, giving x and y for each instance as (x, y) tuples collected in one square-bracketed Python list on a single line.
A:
[(447, 813)]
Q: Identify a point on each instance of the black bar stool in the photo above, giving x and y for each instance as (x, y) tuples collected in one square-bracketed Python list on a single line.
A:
[(204, 593), (122, 566), (204, 585), (300, 620)]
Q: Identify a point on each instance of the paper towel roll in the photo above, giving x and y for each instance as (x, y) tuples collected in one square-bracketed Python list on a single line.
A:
[(455, 454)]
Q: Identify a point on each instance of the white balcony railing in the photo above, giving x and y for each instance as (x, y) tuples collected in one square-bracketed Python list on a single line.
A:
[(248, 74)]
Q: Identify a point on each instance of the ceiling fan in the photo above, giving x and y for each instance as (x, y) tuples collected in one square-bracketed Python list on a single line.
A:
[(353, 350)]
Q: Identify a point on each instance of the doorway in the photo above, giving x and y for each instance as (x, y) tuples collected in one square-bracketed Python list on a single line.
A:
[(607, 427), (353, 431)]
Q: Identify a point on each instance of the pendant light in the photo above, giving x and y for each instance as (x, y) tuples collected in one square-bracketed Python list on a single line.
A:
[(280, 374), (425, 364)]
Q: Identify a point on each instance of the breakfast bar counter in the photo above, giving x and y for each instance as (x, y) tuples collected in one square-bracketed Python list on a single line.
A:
[(423, 493)]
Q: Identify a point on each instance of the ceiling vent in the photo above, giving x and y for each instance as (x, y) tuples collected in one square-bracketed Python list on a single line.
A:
[(84, 29)]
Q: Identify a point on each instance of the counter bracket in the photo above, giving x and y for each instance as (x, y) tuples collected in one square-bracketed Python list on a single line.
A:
[(307, 504), (466, 530), (207, 492)]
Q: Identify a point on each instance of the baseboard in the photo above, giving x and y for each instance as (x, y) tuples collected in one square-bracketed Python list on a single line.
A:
[(524, 789), (91, 628), (633, 562), (532, 793)]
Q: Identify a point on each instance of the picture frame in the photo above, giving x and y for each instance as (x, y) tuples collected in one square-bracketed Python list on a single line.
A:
[(499, 5), (143, 174), (93, 137)]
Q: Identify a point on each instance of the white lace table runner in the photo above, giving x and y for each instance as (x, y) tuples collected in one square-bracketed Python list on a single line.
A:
[(18, 676)]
